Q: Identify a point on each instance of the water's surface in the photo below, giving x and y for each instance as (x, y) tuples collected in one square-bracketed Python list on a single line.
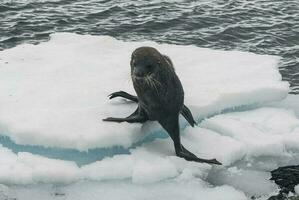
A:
[(259, 26)]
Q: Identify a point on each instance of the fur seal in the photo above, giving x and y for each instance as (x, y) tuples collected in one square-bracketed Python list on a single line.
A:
[(160, 97)]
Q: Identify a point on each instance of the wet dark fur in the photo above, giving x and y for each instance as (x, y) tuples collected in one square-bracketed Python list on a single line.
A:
[(160, 97)]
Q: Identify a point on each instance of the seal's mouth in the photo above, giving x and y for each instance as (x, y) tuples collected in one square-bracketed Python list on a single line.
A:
[(148, 80), (134, 77), (142, 76)]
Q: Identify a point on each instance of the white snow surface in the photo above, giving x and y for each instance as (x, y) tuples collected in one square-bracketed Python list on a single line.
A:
[(262, 132), (297, 189), (54, 94)]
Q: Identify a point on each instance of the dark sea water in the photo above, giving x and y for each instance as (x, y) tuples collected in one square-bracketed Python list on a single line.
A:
[(259, 26)]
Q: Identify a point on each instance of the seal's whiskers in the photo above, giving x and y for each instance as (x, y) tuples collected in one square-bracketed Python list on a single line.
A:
[(152, 82), (156, 82)]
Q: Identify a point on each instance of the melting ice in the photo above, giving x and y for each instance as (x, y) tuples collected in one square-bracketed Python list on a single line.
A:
[(53, 96)]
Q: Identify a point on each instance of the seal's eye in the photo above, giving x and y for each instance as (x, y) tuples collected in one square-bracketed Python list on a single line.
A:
[(149, 67)]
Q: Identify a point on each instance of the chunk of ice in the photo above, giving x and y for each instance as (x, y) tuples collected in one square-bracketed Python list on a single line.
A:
[(54, 94)]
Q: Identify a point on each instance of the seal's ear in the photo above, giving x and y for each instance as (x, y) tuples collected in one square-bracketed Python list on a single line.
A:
[(132, 60), (169, 62), (167, 59)]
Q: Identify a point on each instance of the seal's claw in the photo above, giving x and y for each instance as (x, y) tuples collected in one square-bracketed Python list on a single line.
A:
[(111, 96), (115, 119), (116, 94)]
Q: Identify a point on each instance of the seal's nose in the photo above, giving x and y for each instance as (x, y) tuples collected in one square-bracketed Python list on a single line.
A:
[(139, 71)]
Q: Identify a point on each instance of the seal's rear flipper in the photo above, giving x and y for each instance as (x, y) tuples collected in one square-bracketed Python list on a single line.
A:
[(187, 155), (211, 161), (171, 125), (188, 116), (123, 95)]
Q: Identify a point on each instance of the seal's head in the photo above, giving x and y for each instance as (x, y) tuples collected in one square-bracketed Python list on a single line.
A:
[(145, 61)]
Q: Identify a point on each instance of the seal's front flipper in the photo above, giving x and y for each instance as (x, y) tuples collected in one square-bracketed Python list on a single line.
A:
[(127, 119), (123, 95), (130, 119), (188, 115), (138, 116), (114, 119)]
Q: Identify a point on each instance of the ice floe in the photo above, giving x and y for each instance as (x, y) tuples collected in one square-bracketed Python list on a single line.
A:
[(53, 95), (60, 87)]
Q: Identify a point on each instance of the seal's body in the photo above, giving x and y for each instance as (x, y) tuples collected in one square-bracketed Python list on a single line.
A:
[(160, 96), (160, 93)]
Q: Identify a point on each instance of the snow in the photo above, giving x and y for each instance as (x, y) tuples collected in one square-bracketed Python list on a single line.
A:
[(250, 181), (53, 96), (297, 189), (264, 131), (25, 168), (141, 166), (289, 103), (114, 190)]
